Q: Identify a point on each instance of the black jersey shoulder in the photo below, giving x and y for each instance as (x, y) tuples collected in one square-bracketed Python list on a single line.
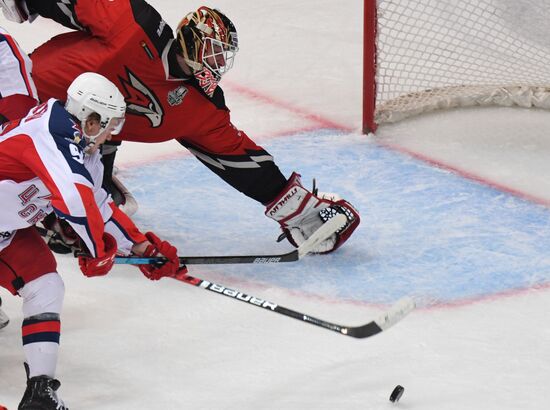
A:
[(157, 30)]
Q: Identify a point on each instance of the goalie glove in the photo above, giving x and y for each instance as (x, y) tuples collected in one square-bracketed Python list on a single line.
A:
[(301, 212)]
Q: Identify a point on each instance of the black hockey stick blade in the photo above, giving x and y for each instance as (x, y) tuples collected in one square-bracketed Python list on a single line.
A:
[(389, 318), (325, 231)]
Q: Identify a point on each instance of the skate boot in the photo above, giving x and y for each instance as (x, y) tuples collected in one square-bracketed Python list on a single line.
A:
[(41, 394)]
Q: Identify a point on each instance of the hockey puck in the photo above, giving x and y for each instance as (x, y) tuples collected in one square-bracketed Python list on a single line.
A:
[(396, 393)]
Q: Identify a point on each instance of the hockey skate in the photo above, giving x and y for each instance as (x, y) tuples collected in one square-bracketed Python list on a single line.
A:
[(4, 320), (41, 394)]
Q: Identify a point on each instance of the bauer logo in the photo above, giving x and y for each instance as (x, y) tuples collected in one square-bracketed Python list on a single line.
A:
[(161, 27), (267, 260), (238, 295)]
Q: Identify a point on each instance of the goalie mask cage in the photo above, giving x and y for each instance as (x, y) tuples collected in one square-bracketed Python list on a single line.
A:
[(424, 55)]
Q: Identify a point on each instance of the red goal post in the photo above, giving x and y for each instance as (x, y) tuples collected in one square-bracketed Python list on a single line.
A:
[(425, 55), (369, 66)]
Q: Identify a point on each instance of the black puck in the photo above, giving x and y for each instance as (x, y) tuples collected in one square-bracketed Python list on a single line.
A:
[(397, 393)]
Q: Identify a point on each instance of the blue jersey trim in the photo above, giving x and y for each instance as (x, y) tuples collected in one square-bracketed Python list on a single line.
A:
[(69, 140)]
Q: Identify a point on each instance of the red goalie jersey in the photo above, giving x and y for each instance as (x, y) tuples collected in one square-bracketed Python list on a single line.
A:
[(128, 42)]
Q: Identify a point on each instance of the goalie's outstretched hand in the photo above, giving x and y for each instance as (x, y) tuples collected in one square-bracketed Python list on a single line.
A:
[(301, 213)]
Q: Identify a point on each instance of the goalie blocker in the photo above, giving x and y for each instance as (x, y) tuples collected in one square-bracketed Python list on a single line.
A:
[(301, 212)]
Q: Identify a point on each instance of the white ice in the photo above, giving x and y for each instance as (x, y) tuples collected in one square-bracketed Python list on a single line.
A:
[(454, 212)]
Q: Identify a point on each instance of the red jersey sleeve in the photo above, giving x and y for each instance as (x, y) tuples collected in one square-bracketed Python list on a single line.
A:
[(126, 225), (71, 199), (102, 17)]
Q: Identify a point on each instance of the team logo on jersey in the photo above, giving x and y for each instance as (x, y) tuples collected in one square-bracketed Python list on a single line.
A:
[(140, 100), (207, 81), (175, 97), (77, 135)]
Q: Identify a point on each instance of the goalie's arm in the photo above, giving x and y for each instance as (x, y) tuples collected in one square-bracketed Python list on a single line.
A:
[(61, 12), (97, 17)]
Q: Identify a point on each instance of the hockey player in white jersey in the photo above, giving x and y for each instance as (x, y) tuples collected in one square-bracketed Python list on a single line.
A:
[(49, 161), (17, 92)]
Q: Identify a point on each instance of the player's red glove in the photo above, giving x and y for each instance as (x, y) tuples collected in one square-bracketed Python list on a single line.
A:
[(160, 248), (99, 266)]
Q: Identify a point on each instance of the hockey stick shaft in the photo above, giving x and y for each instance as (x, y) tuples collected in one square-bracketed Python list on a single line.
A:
[(325, 231), (213, 259), (291, 256), (397, 312)]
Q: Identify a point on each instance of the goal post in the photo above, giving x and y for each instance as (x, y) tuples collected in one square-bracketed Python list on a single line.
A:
[(369, 65), (425, 55)]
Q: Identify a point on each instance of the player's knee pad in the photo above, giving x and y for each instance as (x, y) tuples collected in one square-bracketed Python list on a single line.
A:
[(43, 294)]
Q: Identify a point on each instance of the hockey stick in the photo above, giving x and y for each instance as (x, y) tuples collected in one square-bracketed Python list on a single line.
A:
[(326, 230), (396, 312)]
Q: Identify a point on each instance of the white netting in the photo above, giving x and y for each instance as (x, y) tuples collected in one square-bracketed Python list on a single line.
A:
[(436, 54)]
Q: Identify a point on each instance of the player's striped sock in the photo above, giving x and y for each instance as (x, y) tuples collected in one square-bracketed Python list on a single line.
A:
[(41, 335)]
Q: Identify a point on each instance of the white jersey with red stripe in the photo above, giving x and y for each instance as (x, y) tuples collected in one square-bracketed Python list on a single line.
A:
[(43, 167), (15, 68)]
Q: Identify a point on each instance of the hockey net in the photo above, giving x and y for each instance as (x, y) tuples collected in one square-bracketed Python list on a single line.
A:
[(424, 55)]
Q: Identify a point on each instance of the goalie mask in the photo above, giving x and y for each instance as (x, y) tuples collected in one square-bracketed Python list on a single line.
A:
[(208, 42), (92, 94)]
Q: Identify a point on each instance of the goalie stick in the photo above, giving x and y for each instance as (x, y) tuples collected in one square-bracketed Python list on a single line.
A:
[(327, 229), (389, 318)]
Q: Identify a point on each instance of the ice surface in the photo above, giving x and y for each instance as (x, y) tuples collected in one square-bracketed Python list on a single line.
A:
[(468, 237)]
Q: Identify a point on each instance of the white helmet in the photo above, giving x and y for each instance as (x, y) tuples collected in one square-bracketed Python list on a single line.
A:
[(92, 93)]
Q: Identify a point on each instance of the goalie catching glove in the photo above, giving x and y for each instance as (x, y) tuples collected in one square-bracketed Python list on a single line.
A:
[(158, 247), (301, 212)]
